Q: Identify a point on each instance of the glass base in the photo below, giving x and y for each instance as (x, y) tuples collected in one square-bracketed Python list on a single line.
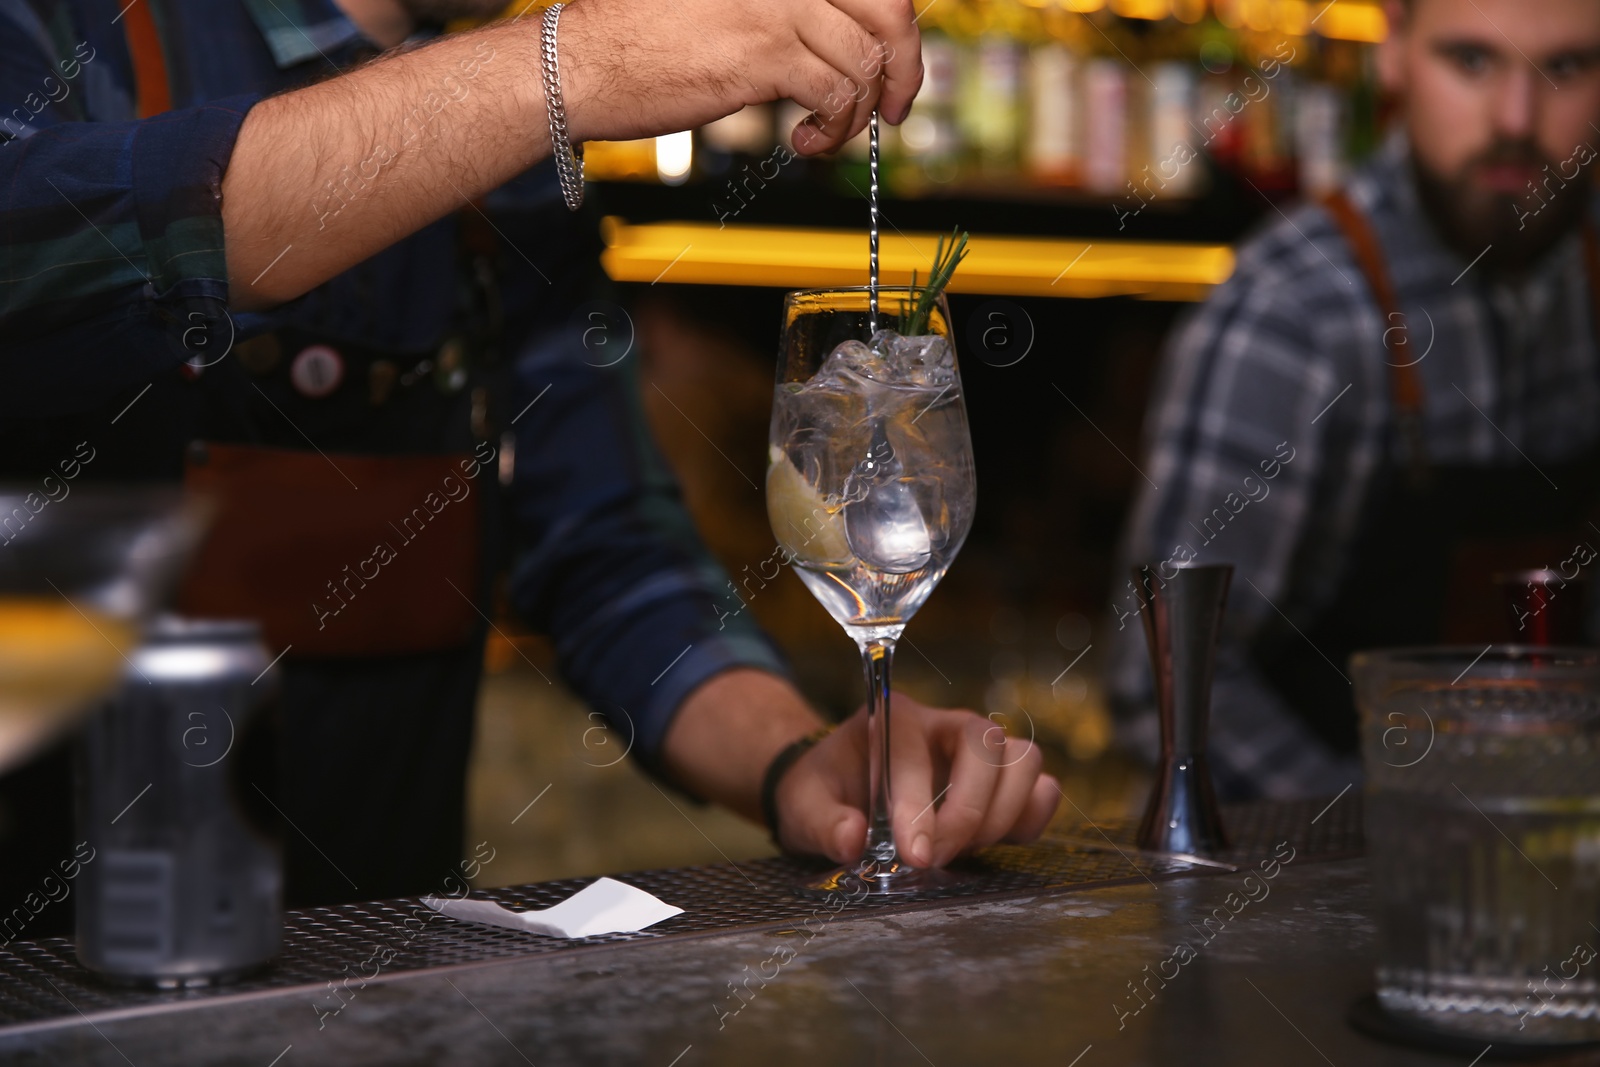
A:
[(1490, 1008), (870, 878)]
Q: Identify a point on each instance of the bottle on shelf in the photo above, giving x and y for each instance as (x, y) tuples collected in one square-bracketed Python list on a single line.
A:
[(1106, 125), (1126, 101), (1054, 143), (1174, 168), (930, 143)]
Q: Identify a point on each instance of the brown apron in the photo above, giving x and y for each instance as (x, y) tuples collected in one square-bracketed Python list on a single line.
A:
[(339, 555)]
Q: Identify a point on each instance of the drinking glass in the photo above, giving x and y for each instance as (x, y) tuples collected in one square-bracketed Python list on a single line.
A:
[(870, 491), (1483, 830), (81, 569)]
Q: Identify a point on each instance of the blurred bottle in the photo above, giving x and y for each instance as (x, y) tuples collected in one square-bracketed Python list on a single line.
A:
[(989, 105), (1267, 148), (1218, 101), (1054, 151), (1120, 98), (1175, 168), (1320, 138), (930, 143), (1105, 96)]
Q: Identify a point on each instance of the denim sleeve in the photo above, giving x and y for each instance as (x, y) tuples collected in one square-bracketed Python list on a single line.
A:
[(110, 229), (606, 558)]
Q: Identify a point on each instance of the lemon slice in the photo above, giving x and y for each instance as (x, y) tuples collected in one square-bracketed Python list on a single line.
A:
[(800, 516)]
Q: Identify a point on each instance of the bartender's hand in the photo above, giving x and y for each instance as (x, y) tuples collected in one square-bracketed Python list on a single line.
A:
[(727, 732), (958, 783), (632, 68), (326, 176)]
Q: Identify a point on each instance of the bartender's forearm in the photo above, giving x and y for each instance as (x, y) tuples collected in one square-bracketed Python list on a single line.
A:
[(322, 178), (327, 176), (727, 732)]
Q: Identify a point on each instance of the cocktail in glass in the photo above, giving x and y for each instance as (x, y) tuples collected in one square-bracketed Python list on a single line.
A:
[(870, 491)]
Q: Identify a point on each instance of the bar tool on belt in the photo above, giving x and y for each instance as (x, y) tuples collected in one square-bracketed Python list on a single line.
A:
[(1182, 611)]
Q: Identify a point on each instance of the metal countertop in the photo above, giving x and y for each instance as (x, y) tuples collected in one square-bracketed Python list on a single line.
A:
[(1014, 975)]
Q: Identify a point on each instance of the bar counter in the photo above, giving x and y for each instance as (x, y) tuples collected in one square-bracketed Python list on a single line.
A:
[(1054, 961)]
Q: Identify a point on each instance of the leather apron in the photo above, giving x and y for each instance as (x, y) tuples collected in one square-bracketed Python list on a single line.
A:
[(1431, 539)]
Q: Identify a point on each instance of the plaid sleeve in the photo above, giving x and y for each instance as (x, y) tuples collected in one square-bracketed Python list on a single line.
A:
[(607, 561), (106, 225), (1236, 452)]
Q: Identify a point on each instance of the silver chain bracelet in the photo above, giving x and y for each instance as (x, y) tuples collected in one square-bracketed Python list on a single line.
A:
[(569, 160)]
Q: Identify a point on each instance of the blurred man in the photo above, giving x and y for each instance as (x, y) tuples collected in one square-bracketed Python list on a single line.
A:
[(282, 299), (1394, 397)]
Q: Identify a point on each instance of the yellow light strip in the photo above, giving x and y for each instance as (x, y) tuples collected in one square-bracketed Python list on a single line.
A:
[(693, 253)]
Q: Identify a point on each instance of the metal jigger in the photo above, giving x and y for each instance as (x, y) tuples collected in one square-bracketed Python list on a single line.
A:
[(1182, 620)]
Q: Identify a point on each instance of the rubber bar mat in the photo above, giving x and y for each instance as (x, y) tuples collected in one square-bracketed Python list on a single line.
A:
[(41, 982)]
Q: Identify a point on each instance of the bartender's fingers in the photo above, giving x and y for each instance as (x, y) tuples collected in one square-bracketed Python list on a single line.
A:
[(1020, 762), (911, 775), (974, 773), (850, 50), (1043, 800), (821, 799), (816, 85), (894, 24)]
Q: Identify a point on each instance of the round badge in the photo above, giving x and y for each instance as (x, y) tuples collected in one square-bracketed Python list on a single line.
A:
[(316, 371)]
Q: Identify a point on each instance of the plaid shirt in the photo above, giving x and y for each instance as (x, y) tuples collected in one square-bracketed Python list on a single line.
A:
[(113, 239), (1273, 404)]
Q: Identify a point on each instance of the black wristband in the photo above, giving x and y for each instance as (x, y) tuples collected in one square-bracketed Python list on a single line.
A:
[(779, 766)]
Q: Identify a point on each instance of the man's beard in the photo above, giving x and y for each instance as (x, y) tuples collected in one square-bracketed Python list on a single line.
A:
[(437, 11), (1518, 229)]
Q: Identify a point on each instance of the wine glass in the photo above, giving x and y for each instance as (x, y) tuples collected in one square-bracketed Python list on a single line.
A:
[(81, 569), (870, 492)]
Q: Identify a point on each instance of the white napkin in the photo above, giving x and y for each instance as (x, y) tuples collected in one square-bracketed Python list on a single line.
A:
[(606, 907)]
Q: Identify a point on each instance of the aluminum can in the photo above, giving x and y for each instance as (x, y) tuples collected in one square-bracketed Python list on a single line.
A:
[(186, 886)]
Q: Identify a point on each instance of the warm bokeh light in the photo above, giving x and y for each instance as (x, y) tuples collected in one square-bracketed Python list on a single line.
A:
[(675, 157), (1353, 22), (1142, 9), (612, 161)]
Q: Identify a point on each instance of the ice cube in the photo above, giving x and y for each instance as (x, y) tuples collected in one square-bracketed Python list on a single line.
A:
[(822, 428), (882, 520), (850, 360), (922, 362), (925, 361)]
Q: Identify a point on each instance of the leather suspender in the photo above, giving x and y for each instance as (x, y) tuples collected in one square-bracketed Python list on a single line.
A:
[(151, 85), (1405, 384)]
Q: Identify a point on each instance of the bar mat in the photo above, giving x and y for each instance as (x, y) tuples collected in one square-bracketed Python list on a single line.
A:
[(42, 984)]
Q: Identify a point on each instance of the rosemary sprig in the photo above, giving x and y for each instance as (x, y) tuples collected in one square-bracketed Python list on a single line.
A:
[(946, 258)]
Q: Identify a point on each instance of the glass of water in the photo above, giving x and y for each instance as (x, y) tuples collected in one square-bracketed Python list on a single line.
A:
[(870, 491), (1483, 831)]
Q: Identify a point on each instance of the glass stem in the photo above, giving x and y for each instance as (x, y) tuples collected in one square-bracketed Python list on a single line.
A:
[(877, 656)]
